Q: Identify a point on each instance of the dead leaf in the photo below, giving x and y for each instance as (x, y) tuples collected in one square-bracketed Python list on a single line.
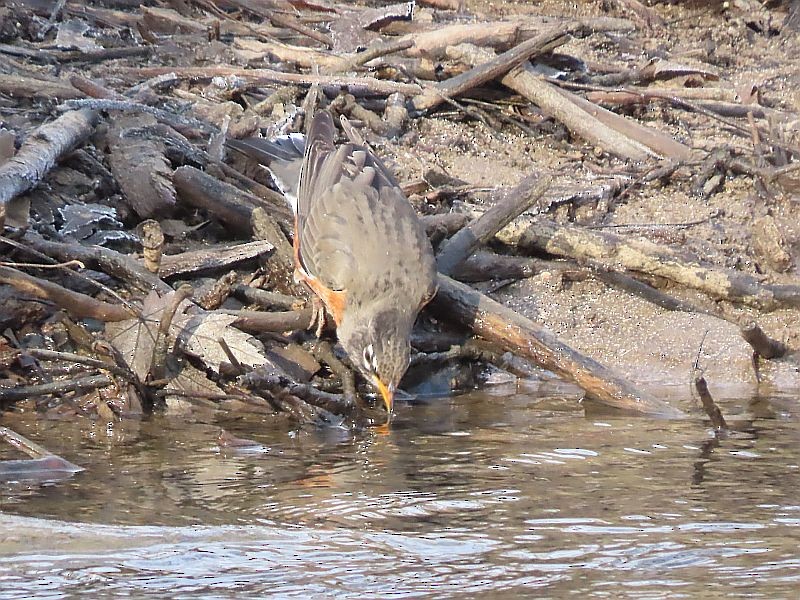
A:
[(135, 338), (666, 69), (199, 335)]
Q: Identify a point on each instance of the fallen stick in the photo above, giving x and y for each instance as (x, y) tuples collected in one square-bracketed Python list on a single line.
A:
[(213, 257), (657, 142), (38, 154), (450, 223), (707, 400), (513, 203), (18, 86), (56, 387), (486, 266), (636, 254), (269, 322), (76, 304), (326, 62), (500, 35), (526, 83), (109, 261), (645, 95), (497, 67), (57, 356), (761, 343), (179, 122), (228, 203), (43, 462), (264, 77), (519, 335), (282, 20), (265, 298)]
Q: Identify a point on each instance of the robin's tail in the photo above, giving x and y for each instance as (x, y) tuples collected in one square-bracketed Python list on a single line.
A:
[(282, 157), (286, 148)]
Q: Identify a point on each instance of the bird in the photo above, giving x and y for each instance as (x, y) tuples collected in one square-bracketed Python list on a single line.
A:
[(358, 244)]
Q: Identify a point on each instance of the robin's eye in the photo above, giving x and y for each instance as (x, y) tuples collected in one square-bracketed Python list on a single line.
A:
[(369, 359)]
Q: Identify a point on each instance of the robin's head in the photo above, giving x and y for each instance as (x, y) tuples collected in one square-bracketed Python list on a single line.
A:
[(377, 342)]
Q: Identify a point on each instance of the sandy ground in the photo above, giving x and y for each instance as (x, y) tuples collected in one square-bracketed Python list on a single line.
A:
[(642, 341)]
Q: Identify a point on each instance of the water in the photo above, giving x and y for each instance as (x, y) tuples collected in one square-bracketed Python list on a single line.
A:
[(489, 494)]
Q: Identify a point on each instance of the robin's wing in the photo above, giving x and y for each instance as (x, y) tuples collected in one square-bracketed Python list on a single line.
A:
[(361, 234), (318, 149)]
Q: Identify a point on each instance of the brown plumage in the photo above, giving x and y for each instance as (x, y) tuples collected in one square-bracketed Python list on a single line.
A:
[(358, 245)]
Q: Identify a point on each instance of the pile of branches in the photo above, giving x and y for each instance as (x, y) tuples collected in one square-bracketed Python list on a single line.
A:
[(144, 267)]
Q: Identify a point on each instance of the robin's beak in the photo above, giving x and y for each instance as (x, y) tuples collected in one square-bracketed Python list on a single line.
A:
[(387, 393)]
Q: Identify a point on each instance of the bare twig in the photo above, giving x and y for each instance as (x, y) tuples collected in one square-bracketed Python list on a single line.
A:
[(481, 230), (762, 344), (56, 387), (711, 408), (158, 364)]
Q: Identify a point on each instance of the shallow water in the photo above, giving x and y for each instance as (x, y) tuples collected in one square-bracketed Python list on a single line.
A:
[(493, 493)]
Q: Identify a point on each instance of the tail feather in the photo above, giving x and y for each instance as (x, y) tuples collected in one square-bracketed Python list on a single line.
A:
[(286, 148)]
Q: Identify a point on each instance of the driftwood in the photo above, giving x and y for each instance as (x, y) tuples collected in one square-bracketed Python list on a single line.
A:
[(491, 70), (485, 266), (140, 167), (511, 331), (114, 263), (34, 87), (261, 77), (600, 127), (186, 125), (707, 400), (229, 204), (500, 35), (211, 258), (763, 345), (270, 322), (543, 235), (76, 304), (264, 298), (36, 157), (57, 387), (42, 462), (513, 203)]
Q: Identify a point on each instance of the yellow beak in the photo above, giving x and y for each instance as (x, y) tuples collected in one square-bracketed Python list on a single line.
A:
[(387, 393)]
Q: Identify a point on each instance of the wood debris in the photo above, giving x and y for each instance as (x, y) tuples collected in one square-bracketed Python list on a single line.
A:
[(120, 203)]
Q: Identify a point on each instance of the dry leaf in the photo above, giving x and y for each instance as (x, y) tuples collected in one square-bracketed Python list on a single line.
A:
[(135, 338), (199, 335)]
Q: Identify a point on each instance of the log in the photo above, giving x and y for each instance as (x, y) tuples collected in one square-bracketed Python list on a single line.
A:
[(636, 254), (38, 154), (517, 334), (264, 77), (78, 305), (613, 133)]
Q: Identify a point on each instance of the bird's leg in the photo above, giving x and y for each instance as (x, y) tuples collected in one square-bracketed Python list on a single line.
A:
[(319, 319)]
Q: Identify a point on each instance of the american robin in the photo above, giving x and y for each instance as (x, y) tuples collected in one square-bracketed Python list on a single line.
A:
[(358, 245)]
